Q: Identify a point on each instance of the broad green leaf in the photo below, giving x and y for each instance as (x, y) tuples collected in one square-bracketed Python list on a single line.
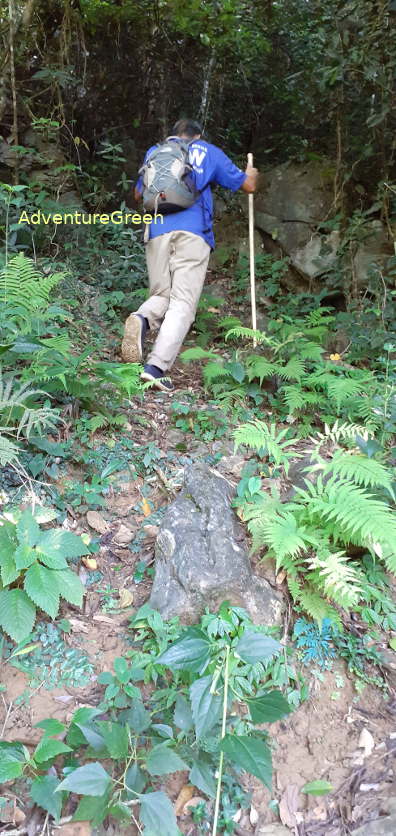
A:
[(70, 587), (50, 726), (27, 529), (190, 653), (120, 811), (24, 556), (269, 707), (201, 775), (17, 613), (95, 740), (115, 738), (90, 779), (121, 669), (236, 371), (255, 647), (162, 759), (53, 561), (163, 730), (135, 780), (13, 757), (182, 717), (206, 707), (58, 541), (9, 572), (137, 717), (42, 587), (83, 716), (157, 815), (10, 770), (49, 748), (251, 754), (92, 809), (43, 792), (317, 787)]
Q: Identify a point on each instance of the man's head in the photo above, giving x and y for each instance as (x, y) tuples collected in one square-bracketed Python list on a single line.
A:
[(187, 129)]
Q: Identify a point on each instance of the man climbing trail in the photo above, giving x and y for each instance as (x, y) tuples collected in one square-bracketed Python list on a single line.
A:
[(177, 249)]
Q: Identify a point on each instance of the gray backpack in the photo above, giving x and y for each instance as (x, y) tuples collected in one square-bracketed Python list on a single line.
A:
[(167, 180)]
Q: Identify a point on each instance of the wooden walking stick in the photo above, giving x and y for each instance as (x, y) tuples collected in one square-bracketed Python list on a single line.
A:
[(251, 257)]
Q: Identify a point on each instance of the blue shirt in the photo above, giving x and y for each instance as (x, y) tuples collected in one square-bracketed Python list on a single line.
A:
[(210, 166)]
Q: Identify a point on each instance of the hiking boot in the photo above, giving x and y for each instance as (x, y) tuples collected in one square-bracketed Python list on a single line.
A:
[(134, 335), (158, 377)]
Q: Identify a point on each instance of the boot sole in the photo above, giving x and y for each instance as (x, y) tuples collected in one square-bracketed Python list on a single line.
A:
[(157, 382), (131, 346)]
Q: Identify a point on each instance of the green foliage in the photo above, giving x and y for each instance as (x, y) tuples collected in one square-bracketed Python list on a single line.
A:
[(310, 535), (34, 573), (184, 726)]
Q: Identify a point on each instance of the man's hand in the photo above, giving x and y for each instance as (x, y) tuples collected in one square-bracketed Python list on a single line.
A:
[(250, 183)]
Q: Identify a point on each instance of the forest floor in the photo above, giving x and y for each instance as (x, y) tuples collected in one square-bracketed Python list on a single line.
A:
[(325, 737)]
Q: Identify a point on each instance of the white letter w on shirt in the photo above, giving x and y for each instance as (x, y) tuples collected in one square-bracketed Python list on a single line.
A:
[(196, 156)]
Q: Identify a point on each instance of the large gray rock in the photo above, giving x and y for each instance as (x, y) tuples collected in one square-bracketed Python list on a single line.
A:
[(200, 559), (294, 201)]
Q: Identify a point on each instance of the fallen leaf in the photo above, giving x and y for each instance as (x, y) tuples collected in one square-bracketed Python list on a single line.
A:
[(392, 643), (77, 828), (288, 806), (90, 563), (79, 626), (126, 598), (194, 801), (96, 521), (213, 310), (280, 577), (146, 507), (237, 816), (335, 357), (366, 742), (123, 536), (185, 794), (253, 815)]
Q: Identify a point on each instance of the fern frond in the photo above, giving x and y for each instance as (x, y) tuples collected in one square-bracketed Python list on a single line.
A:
[(281, 534), (23, 288), (196, 353), (295, 398), (355, 516), (264, 438), (320, 316), (247, 333), (9, 451), (362, 470), (341, 432), (338, 577), (214, 371), (261, 368), (316, 606), (311, 351), (293, 370), (60, 343), (342, 389)]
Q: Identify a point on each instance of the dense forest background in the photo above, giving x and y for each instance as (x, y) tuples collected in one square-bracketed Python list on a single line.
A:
[(284, 79)]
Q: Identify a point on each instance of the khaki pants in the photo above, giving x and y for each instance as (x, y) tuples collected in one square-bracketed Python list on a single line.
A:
[(177, 263)]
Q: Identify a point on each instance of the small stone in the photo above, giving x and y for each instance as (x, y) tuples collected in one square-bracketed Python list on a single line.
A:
[(123, 536)]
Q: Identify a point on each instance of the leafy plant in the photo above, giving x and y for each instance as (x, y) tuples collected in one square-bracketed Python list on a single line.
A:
[(310, 535), (34, 572), (221, 661), (315, 641)]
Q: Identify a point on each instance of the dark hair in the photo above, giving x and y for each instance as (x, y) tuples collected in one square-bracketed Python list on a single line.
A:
[(188, 127)]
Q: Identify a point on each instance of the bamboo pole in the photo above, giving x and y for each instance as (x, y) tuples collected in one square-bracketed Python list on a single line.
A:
[(251, 258)]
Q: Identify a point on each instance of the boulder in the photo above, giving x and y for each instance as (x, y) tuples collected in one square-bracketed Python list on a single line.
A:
[(290, 207), (200, 559)]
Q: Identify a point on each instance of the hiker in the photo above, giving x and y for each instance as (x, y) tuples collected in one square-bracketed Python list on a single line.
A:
[(179, 242)]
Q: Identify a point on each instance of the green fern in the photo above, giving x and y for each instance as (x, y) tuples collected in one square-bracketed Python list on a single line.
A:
[(214, 371), (259, 367), (338, 577), (196, 353), (294, 369), (24, 290), (358, 468), (264, 438), (248, 333)]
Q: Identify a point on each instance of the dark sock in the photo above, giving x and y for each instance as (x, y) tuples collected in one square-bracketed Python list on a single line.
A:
[(157, 369), (147, 323)]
